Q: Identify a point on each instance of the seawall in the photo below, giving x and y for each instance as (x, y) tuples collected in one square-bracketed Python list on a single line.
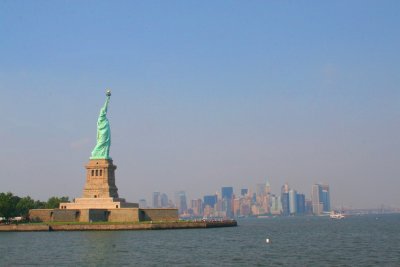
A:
[(24, 228), (115, 227)]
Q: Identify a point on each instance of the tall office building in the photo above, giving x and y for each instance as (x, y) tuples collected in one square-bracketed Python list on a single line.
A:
[(245, 205), (267, 188), (263, 189), (227, 192), (292, 201), (309, 207), (156, 200), (317, 206), (285, 188), (325, 198), (243, 192), (227, 199), (276, 205), (285, 199), (254, 198), (181, 203), (320, 199), (263, 201), (210, 200), (142, 203), (285, 204), (301, 204), (197, 207), (236, 206), (164, 200)]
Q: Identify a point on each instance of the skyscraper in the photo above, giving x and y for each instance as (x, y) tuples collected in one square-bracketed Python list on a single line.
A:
[(142, 203), (285, 204), (267, 188), (320, 199), (243, 192), (210, 200), (285, 199), (227, 192), (236, 206), (156, 200), (301, 204), (292, 201), (285, 188), (276, 205), (308, 207), (325, 198), (317, 206), (180, 200), (263, 189), (227, 199), (197, 207), (164, 200), (262, 201)]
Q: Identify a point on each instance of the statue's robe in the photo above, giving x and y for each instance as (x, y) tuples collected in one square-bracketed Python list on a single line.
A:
[(102, 148)]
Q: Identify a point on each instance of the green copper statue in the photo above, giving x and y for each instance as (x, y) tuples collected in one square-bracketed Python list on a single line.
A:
[(102, 148)]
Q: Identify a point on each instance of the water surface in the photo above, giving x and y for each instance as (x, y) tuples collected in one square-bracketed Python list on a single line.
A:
[(295, 241)]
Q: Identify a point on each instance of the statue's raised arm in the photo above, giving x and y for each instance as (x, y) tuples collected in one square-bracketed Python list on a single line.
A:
[(102, 148), (103, 110)]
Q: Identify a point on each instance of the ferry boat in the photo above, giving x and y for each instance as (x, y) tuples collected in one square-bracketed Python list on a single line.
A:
[(336, 215)]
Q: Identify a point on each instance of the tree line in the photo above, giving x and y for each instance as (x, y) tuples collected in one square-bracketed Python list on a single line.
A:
[(14, 206)]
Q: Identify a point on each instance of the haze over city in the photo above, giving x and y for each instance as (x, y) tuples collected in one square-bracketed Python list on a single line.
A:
[(204, 95)]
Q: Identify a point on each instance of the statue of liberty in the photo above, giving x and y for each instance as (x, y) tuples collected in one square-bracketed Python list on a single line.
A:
[(102, 148)]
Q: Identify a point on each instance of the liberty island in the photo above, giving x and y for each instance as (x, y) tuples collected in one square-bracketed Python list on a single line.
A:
[(100, 201)]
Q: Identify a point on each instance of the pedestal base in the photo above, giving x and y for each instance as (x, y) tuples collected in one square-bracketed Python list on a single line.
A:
[(98, 203)]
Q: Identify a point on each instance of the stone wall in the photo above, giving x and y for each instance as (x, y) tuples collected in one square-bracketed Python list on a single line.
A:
[(98, 215), (103, 215), (40, 215), (65, 215), (24, 228), (111, 227), (123, 215), (158, 214)]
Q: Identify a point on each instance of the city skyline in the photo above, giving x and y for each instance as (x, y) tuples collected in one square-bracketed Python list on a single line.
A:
[(204, 95), (261, 201)]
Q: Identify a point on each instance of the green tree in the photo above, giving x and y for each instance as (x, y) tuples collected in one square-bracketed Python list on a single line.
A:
[(24, 205), (8, 203), (39, 204), (54, 202)]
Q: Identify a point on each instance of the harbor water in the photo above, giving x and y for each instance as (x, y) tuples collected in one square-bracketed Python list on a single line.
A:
[(368, 240)]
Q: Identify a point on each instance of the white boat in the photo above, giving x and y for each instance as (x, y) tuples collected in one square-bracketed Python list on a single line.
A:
[(336, 215)]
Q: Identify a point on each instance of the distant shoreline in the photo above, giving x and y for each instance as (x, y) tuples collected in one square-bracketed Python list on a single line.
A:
[(48, 227)]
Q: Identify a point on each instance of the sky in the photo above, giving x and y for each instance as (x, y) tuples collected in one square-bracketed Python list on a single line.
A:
[(205, 94)]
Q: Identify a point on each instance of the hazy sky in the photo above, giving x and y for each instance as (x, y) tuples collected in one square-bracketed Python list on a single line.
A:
[(205, 94)]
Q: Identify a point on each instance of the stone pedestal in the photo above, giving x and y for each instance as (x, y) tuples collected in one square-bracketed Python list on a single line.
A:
[(100, 191), (100, 179)]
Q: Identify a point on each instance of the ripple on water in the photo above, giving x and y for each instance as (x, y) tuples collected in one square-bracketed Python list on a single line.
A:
[(306, 241)]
